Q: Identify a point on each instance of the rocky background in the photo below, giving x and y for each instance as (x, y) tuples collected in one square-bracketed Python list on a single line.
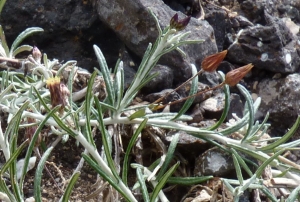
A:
[(262, 32)]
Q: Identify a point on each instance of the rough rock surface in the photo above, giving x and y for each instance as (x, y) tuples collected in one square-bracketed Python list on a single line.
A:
[(272, 47), (70, 30), (188, 145), (214, 161), (164, 79), (280, 97), (213, 106)]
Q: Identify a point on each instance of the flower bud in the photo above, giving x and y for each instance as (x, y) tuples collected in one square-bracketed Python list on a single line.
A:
[(177, 24), (211, 62), (36, 54), (234, 76), (58, 92)]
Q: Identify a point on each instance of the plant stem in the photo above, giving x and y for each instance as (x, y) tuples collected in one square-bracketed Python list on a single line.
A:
[(93, 151), (183, 84), (183, 99)]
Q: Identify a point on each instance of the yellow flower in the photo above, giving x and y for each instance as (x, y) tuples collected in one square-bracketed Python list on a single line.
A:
[(211, 62), (234, 76)]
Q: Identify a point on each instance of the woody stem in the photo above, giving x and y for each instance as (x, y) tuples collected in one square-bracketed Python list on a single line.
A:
[(199, 93)]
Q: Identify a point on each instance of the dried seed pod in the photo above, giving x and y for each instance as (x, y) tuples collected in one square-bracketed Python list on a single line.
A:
[(234, 76), (211, 62), (58, 92)]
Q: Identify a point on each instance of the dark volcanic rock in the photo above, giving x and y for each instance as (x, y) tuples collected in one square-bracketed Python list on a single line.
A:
[(71, 29), (272, 47), (218, 20), (236, 106), (254, 9), (189, 146), (214, 162), (163, 80), (196, 114), (280, 97)]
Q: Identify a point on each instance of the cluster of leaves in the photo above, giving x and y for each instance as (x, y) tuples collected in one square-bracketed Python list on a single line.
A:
[(27, 97)]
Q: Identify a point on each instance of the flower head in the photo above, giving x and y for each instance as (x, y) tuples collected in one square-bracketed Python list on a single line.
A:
[(58, 92), (234, 76), (211, 62), (177, 24)]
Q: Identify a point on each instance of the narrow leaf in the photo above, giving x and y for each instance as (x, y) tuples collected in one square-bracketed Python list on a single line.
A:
[(242, 122), (131, 93), (270, 196), (106, 75), (88, 105), (263, 126), (13, 170), (194, 88), (38, 175), (32, 144), (226, 105), (9, 164), (129, 148), (138, 114), (108, 106), (142, 185), (284, 138), (22, 49), (231, 189), (241, 162), (2, 35), (22, 36), (70, 186), (188, 181), (249, 103), (13, 126), (169, 156), (267, 162), (163, 181), (156, 22), (67, 64), (294, 195), (105, 140), (119, 84), (248, 183), (96, 167), (238, 169), (252, 153)]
